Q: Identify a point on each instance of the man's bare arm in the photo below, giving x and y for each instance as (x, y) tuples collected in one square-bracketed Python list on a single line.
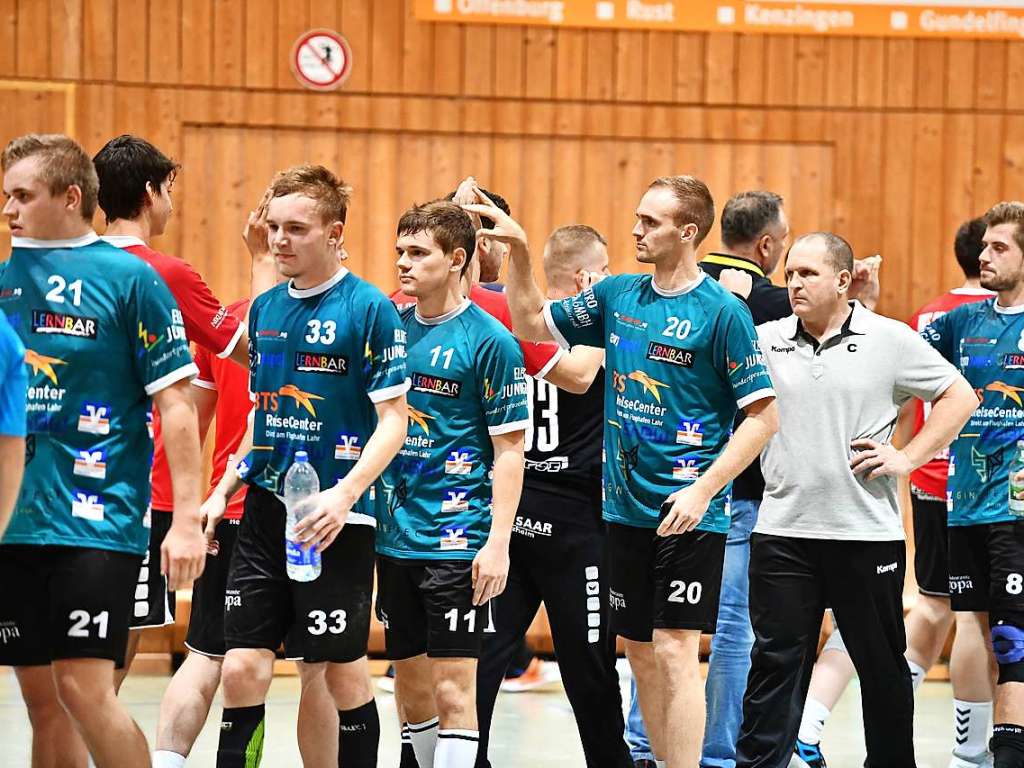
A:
[(12, 467), (183, 553), (690, 503), (491, 564), (575, 370)]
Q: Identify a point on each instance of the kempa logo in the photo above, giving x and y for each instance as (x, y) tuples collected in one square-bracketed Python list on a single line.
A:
[(889, 568), (9, 631), (232, 599), (960, 584), (783, 349)]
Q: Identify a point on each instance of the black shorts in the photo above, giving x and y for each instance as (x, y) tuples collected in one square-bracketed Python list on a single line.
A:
[(986, 570), (931, 546), (154, 603), (426, 606), (663, 582), (327, 619), (206, 623), (64, 603)]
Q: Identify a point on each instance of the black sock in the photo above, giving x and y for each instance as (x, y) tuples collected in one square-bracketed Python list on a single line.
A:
[(1007, 746), (241, 737), (408, 753), (358, 736)]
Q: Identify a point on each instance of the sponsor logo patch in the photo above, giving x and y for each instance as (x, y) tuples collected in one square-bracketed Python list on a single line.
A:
[(436, 385), (1013, 360), (44, 321), (318, 362), (88, 506), (685, 469), (458, 463), (91, 464), (94, 419), (457, 501), (690, 433), (348, 448), (666, 353), (454, 538)]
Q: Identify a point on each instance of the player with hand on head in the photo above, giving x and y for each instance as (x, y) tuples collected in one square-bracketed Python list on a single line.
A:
[(443, 538), (328, 375), (103, 336), (681, 356)]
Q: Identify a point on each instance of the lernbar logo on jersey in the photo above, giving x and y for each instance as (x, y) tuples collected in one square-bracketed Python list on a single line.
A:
[(44, 321), (666, 353), (457, 501), (690, 433), (458, 463), (44, 364), (436, 385), (454, 538), (94, 419), (347, 448), (91, 464), (685, 468), (318, 362), (88, 506)]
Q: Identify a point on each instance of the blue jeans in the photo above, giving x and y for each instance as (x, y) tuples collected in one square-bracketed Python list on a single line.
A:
[(730, 654)]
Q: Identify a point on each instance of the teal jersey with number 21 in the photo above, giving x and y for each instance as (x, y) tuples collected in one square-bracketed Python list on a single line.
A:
[(678, 365)]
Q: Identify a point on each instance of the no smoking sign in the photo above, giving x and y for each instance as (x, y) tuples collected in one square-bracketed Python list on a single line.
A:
[(321, 60)]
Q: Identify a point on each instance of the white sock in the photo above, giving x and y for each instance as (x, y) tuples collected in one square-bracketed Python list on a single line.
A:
[(162, 758), (813, 720), (456, 748), (970, 727), (424, 741), (660, 763), (917, 673)]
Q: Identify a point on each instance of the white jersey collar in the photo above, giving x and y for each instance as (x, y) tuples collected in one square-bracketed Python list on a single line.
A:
[(678, 291), (74, 242), (1007, 310), (316, 290), (124, 241), (442, 318)]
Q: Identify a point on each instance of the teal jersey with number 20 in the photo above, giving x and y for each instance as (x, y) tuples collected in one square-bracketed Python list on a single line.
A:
[(468, 383), (678, 365)]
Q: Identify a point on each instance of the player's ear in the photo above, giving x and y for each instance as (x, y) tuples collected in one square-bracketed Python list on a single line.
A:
[(458, 260), (73, 197)]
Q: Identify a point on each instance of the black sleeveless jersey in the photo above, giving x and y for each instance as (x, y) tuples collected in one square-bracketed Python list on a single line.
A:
[(563, 443)]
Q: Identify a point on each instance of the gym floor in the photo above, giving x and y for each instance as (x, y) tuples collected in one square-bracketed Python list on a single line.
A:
[(531, 729)]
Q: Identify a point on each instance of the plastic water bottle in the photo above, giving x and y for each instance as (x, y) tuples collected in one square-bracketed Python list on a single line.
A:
[(300, 484), (1017, 505)]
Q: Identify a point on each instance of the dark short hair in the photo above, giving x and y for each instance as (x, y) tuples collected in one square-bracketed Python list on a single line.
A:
[(445, 222), (125, 166), (332, 194), (64, 165), (968, 246), (497, 199), (1008, 212), (838, 252), (696, 206), (747, 215)]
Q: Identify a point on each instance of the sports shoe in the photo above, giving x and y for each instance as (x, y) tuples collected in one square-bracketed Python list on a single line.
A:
[(984, 760), (538, 674), (386, 682), (807, 756)]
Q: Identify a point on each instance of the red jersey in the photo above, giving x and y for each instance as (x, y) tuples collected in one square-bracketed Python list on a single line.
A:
[(540, 357), (931, 478), (231, 383), (207, 323)]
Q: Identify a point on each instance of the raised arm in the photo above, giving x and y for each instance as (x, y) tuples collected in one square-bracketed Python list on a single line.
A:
[(575, 370)]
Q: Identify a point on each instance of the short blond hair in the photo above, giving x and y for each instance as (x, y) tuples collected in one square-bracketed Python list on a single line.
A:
[(332, 194), (565, 246), (1007, 212), (696, 206), (64, 165)]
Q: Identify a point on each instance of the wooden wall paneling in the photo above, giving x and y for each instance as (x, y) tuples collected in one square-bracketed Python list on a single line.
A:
[(599, 79), (98, 52), (660, 67), (325, 14), (476, 154), (132, 41), (749, 161), (447, 64), (197, 41), (865, 224), (260, 43), (958, 174), (810, 71), (808, 204), (566, 184), (630, 64), (382, 198), (627, 183), (925, 207), (780, 81), (8, 37), (596, 201), (292, 21), (1014, 75), (987, 173), (570, 63), (899, 73), (418, 53), (445, 165), (355, 169), (690, 62), (507, 172), (751, 69), (930, 74), (841, 130), (720, 68), (898, 249), (229, 62), (840, 72), (31, 110), (66, 39), (194, 210), (508, 62), (871, 72), (164, 43), (539, 60), (33, 39), (356, 26), (538, 191), (94, 105), (1013, 159), (990, 86), (478, 77), (960, 69)]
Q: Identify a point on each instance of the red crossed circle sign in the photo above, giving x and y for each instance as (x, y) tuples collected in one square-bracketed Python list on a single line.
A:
[(321, 59)]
